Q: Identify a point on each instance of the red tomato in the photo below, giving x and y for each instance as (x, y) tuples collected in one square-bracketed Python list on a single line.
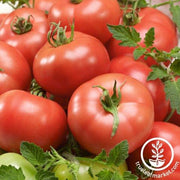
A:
[(43, 5), (30, 42), (2, 16), (26, 117), (175, 119), (170, 133), (140, 71), (92, 126), (165, 34), (62, 69), (15, 72), (90, 16)]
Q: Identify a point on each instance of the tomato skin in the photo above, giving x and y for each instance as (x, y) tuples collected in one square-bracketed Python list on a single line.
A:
[(15, 73), (98, 13), (2, 16), (169, 132), (140, 71), (149, 17), (30, 42), (43, 5), (62, 172), (91, 125), (19, 161), (62, 69), (25, 117)]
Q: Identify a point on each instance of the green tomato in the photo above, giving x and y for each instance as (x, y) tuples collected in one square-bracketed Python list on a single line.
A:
[(62, 172), (19, 161)]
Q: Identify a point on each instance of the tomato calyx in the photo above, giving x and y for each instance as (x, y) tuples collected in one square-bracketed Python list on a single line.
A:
[(37, 90), (1, 70), (20, 25), (110, 104), (60, 33), (76, 1)]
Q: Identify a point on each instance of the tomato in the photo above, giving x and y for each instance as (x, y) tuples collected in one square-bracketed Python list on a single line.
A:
[(89, 16), (2, 16), (29, 40), (62, 172), (170, 133), (149, 18), (175, 119), (15, 72), (60, 70), (26, 117), (19, 161), (43, 5), (92, 126), (140, 71)]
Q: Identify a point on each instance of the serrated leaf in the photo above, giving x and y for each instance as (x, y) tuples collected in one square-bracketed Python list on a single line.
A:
[(101, 156), (33, 153), (118, 154), (172, 90), (45, 175), (11, 173), (149, 37), (108, 175), (128, 176), (157, 73), (175, 11), (127, 35), (138, 52), (175, 67)]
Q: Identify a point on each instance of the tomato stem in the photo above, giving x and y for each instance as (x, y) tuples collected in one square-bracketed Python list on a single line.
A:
[(1, 70), (110, 105), (20, 25), (169, 115), (164, 3), (60, 33), (76, 1)]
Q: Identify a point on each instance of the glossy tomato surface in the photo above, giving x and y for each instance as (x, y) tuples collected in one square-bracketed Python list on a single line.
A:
[(140, 71), (165, 33), (170, 133), (26, 117), (92, 126), (15, 72), (30, 42), (89, 16), (60, 70)]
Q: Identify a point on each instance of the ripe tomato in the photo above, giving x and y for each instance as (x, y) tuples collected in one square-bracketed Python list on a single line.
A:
[(2, 16), (60, 70), (15, 72), (19, 161), (43, 5), (170, 133), (140, 71), (26, 117), (29, 40), (89, 16), (92, 126), (149, 18)]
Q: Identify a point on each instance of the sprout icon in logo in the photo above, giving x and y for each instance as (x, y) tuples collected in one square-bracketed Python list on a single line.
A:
[(157, 154), (157, 160)]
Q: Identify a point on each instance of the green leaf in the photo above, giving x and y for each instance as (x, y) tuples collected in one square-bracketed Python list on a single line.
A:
[(15, 3), (149, 37), (157, 73), (172, 90), (101, 156), (127, 35), (175, 10), (138, 52), (33, 153), (45, 175), (118, 154), (128, 176), (108, 175), (141, 4), (11, 173), (175, 67)]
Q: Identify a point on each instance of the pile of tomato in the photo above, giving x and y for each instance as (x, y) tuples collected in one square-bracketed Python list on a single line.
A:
[(86, 83)]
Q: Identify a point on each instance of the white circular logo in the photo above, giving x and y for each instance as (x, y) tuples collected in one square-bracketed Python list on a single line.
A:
[(157, 162)]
